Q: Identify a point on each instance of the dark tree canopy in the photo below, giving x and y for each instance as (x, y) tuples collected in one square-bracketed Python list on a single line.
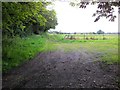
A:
[(100, 32), (104, 9)]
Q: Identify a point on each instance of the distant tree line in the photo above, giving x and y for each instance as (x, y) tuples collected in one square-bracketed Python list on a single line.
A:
[(98, 32), (26, 18)]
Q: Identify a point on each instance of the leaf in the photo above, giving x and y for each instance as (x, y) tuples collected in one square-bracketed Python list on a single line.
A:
[(93, 15), (97, 19)]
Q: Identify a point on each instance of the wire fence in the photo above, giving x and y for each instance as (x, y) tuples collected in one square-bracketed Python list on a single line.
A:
[(89, 36)]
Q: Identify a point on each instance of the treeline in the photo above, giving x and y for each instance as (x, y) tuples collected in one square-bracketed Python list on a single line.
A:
[(57, 32), (26, 18), (23, 19)]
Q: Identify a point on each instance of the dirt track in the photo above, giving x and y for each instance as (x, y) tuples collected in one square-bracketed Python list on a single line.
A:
[(60, 69)]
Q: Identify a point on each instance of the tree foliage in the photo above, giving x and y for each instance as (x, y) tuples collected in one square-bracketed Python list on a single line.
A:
[(100, 32), (104, 9), (23, 18)]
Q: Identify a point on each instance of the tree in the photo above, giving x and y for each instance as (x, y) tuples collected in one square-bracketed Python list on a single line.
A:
[(22, 18), (100, 32), (51, 19), (104, 9)]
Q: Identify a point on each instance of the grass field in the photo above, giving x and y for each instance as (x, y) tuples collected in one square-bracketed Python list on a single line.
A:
[(108, 47), (17, 51)]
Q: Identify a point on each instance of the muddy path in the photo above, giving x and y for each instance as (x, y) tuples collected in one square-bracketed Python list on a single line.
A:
[(60, 69)]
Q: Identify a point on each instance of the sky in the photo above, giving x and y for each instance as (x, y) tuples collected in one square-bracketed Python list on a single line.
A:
[(73, 19)]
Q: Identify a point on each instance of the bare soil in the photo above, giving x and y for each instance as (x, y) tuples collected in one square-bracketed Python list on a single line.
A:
[(60, 69)]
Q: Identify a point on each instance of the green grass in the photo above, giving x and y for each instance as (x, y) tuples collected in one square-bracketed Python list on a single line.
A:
[(19, 50), (108, 48)]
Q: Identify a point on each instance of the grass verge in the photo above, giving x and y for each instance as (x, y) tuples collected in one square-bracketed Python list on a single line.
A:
[(16, 51)]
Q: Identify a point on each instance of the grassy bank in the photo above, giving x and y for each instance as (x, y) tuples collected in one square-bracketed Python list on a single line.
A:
[(19, 50)]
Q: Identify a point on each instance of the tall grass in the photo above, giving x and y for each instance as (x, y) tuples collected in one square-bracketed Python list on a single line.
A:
[(19, 50)]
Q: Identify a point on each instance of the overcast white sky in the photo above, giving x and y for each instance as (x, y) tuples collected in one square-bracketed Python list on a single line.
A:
[(71, 19)]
